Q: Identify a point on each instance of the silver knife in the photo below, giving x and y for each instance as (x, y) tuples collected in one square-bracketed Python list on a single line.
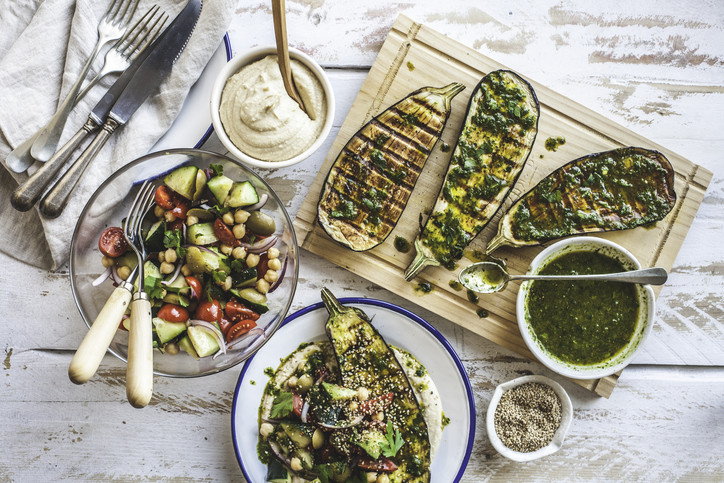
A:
[(120, 102)]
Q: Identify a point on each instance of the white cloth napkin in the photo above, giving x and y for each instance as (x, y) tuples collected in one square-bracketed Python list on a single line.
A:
[(43, 46)]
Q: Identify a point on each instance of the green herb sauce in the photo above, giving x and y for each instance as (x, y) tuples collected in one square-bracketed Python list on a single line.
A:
[(410, 66), (482, 313), (455, 285), (552, 143), (423, 288), (582, 322), (402, 245)]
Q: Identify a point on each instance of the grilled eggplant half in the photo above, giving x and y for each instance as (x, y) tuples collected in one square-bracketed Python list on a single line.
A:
[(495, 141), (365, 359), (372, 178), (613, 190)]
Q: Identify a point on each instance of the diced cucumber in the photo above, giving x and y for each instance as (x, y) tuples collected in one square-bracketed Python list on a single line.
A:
[(182, 181), (203, 340), (220, 187), (244, 278), (205, 262), (305, 457), (242, 194), (166, 331), (185, 345), (128, 259), (254, 300), (154, 237), (339, 393), (179, 285), (176, 299), (149, 270), (200, 184), (277, 472), (300, 434), (201, 234)]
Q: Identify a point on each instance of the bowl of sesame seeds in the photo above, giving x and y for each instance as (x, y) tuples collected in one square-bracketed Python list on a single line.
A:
[(528, 418)]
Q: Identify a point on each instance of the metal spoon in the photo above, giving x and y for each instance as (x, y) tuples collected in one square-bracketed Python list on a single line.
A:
[(488, 277)]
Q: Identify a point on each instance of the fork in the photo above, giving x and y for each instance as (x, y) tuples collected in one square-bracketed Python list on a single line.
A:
[(117, 59), (111, 27), (139, 371), (91, 350)]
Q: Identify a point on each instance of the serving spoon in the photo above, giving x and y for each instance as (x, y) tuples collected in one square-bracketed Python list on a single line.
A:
[(285, 66), (490, 277)]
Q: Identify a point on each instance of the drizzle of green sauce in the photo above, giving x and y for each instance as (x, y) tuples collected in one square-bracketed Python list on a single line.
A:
[(582, 322), (472, 296), (444, 147), (455, 285), (482, 313), (252, 382), (410, 66), (402, 245), (423, 288), (269, 371), (445, 420), (553, 143)]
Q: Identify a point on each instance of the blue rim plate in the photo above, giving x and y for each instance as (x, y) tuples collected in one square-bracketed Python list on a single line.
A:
[(401, 328)]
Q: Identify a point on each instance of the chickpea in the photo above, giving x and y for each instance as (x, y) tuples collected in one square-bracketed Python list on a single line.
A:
[(158, 211), (171, 349), (275, 264), (271, 276), (228, 218), (166, 268), (371, 477), (107, 261), (317, 439), (241, 216), (239, 253), (296, 464), (239, 231), (162, 256), (124, 272), (383, 478), (273, 253), (379, 416), (169, 217), (266, 429), (191, 220), (226, 249), (304, 383), (292, 382), (262, 286), (252, 260), (170, 256), (363, 393), (185, 270)]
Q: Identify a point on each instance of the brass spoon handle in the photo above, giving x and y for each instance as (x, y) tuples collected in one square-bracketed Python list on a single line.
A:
[(280, 32), (649, 276)]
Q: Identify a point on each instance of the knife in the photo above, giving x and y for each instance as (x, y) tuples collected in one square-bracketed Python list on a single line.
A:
[(156, 61)]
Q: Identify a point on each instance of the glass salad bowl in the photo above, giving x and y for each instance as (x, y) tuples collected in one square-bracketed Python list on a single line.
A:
[(109, 205)]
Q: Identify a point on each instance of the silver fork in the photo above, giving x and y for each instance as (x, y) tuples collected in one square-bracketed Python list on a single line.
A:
[(117, 59), (91, 350), (111, 27), (139, 371)]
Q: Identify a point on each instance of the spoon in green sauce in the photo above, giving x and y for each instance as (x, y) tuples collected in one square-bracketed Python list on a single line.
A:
[(489, 277)]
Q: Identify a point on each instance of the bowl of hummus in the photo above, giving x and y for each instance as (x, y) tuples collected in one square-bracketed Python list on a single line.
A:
[(255, 118)]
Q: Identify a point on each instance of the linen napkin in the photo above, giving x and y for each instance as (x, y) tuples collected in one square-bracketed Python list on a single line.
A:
[(43, 46)]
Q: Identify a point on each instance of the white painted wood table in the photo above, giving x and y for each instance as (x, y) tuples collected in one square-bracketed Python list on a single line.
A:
[(654, 66)]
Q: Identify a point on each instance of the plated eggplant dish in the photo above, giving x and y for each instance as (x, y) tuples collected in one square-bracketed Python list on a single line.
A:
[(349, 409)]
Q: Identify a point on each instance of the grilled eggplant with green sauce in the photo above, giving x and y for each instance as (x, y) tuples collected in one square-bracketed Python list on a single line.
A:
[(495, 141), (365, 360), (614, 190), (372, 178)]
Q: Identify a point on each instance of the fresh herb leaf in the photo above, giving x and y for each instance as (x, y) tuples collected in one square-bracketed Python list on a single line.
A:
[(173, 239), (394, 442), (324, 473), (219, 276), (152, 286), (282, 405), (217, 169)]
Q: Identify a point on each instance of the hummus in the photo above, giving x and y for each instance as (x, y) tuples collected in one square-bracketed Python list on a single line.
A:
[(262, 120)]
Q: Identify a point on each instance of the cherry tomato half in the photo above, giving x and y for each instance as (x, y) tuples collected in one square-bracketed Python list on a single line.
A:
[(112, 243), (225, 324), (164, 197), (175, 225), (224, 234), (236, 311), (263, 265), (297, 404), (209, 311), (378, 403), (195, 287), (239, 329), (182, 206), (173, 313), (382, 464)]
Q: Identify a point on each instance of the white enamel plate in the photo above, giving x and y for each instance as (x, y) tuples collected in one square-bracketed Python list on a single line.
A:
[(400, 328)]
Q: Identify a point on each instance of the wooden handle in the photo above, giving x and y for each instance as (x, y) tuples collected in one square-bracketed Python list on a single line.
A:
[(95, 343), (57, 198), (285, 66), (139, 373), (27, 194)]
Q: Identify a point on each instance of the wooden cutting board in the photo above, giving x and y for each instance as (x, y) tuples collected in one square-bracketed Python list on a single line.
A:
[(415, 56)]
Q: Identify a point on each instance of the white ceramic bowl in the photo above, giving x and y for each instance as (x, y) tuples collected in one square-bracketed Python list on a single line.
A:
[(558, 437), (232, 67), (643, 326)]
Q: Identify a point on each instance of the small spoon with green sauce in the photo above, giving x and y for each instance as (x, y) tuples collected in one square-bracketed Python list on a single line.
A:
[(488, 277)]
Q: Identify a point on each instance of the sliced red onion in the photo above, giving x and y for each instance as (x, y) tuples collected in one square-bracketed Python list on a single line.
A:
[(214, 330), (262, 201), (281, 275), (278, 453), (205, 206), (115, 276), (305, 412), (102, 278), (256, 331), (174, 276), (346, 424), (262, 246)]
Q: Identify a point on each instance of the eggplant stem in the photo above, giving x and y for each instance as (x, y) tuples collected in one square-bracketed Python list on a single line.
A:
[(448, 92), (420, 262), (497, 241), (331, 303)]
